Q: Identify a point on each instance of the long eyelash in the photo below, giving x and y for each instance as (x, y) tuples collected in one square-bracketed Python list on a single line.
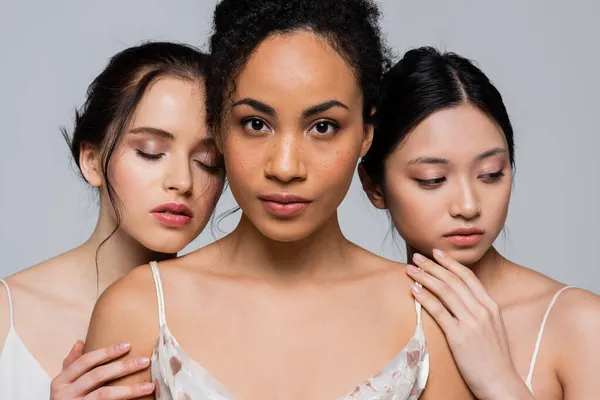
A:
[(149, 156), (209, 168), (431, 182), (494, 175)]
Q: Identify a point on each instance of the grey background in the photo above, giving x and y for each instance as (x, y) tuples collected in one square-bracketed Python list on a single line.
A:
[(542, 55)]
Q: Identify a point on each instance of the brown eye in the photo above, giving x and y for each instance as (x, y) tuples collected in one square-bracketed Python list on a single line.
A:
[(324, 127), (255, 125)]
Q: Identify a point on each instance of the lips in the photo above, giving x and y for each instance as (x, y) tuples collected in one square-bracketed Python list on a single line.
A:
[(284, 205), (465, 232), (284, 198), (173, 214), (173, 208), (464, 237)]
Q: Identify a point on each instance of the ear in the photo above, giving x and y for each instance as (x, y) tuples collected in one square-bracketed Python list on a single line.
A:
[(89, 162), (373, 191), (368, 136)]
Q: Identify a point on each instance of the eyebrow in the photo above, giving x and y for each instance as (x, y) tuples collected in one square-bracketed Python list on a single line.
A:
[(257, 105), (437, 160), (319, 108), (266, 109), (168, 135), (491, 153), (153, 131), (429, 160)]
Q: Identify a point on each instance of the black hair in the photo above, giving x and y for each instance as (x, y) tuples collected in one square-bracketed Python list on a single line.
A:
[(422, 82), (114, 95), (239, 26)]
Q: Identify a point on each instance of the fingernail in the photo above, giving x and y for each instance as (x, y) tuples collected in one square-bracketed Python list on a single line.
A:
[(142, 361), (123, 346), (418, 258), (412, 269), (416, 288), (147, 387), (439, 253)]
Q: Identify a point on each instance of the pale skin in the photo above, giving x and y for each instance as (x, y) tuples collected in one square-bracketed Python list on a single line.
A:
[(444, 176), (319, 315), (173, 110)]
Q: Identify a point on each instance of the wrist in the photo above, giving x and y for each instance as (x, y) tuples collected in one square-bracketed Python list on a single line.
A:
[(515, 390)]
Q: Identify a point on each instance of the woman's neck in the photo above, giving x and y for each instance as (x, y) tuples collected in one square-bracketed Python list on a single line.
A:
[(114, 254), (318, 255)]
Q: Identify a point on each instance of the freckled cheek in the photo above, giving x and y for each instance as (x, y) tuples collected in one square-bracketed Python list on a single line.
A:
[(243, 166), (336, 167)]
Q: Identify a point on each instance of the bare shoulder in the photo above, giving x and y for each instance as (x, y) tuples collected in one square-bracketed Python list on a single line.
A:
[(30, 286), (578, 309), (35, 279), (572, 333), (127, 311), (444, 380)]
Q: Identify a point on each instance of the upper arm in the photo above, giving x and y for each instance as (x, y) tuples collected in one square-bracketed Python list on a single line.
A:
[(578, 328), (126, 312), (445, 380)]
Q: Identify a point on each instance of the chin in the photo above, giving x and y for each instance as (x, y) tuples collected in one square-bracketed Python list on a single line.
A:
[(285, 231), (167, 244), (467, 256)]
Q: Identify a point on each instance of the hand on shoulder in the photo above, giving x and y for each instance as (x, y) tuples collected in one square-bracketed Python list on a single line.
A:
[(126, 313)]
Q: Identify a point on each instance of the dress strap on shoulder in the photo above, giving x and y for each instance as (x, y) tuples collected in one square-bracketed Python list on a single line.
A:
[(419, 309), (162, 316), (10, 304), (538, 341)]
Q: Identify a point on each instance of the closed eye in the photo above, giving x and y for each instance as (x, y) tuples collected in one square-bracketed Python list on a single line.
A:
[(149, 156), (492, 177), (213, 169), (431, 183)]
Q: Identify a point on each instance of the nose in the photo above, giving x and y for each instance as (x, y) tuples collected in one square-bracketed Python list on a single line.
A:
[(178, 177), (465, 202), (285, 162)]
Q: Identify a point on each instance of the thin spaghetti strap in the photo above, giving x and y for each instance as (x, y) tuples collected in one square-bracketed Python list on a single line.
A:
[(418, 308), (538, 341), (162, 317), (10, 304)]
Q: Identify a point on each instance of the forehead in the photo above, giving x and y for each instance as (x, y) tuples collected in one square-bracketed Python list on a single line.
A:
[(174, 105), (299, 63), (461, 132)]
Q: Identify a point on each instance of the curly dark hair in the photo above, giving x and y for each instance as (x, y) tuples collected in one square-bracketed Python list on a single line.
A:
[(239, 26)]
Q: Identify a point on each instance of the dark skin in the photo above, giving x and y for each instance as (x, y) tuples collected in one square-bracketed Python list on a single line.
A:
[(310, 303)]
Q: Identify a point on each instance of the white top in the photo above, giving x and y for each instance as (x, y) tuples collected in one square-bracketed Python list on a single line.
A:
[(21, 376), (178, 376)]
